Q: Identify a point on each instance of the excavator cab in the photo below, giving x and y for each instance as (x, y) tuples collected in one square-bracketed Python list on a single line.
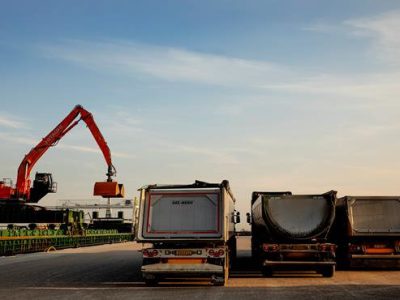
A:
[(109, 189), (42, 185)]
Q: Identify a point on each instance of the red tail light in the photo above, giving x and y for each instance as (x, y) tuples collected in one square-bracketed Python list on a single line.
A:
[(397, 246), (353, 248), (218, 252), (150, 252), (327, 248), (270, 247)]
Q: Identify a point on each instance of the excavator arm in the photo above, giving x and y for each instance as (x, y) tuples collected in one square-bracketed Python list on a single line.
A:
[(23, 184)]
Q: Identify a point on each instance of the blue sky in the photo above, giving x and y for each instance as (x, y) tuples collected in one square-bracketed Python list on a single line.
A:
[(272, 95)]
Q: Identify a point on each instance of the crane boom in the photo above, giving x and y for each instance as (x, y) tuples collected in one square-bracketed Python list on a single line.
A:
[(23, 185)]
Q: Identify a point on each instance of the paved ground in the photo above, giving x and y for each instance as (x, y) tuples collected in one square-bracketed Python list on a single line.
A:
[(113, 271)]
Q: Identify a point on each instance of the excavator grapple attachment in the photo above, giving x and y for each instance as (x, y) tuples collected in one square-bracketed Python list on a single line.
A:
[(109, 189), (121, 190)]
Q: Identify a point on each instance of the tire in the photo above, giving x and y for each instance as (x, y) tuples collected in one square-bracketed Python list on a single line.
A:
[(151, 282), (233, 252), (267, 271), (328, 271), (255, 250), (218, 280)]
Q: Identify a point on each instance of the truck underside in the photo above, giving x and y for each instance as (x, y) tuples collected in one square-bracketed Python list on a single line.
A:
[(209, 261), (372, 253), (319, 257)]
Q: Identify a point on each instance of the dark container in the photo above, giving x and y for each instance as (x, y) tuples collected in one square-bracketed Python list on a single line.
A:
[(283, 217), (370, 216), (367, 231)]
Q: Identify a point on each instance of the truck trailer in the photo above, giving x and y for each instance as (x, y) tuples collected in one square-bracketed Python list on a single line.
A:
[(367, 231), (290, 231), (191, 230)]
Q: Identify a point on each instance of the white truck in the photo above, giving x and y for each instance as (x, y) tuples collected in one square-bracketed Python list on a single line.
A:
[(191, 230)]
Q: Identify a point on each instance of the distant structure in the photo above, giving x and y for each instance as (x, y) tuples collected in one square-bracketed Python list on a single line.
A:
[(102, 209)]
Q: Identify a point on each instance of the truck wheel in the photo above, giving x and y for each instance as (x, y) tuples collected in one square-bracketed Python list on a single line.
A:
[(267, 271), (217, 280), (151, 282), (328, 271)]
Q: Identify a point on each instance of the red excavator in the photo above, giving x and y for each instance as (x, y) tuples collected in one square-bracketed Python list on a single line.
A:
[(43, 183)]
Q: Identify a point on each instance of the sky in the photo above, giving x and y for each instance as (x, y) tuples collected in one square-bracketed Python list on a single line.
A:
[(271, 95)]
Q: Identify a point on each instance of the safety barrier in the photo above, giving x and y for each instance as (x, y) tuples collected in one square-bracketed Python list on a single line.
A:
[(26, 241)]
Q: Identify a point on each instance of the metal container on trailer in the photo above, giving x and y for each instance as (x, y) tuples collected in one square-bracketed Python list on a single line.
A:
[(368, 230), (201, 211), (290, 231), (287, 217), (373, 216)]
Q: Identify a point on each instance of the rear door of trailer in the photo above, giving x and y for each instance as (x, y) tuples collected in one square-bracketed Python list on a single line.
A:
[(182, 214)]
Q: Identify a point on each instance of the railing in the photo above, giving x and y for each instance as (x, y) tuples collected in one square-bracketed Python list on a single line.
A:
[(27, 241)]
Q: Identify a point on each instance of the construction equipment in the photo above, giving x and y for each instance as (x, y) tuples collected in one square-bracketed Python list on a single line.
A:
[(43, 183)]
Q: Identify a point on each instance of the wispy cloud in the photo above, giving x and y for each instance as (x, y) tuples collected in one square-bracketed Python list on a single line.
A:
[(24, 140), (173, 64), (322, 27), (383, 30), (11, 121), (215, 155), (122, 122), (30, 141), (181, 65), (166, 63), (94, 150), (235, 106), (382, 86)]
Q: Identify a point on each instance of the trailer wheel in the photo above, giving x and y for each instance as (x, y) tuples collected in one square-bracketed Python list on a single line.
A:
[(151, 282), (328, 271), (217, 280), (267, 271)]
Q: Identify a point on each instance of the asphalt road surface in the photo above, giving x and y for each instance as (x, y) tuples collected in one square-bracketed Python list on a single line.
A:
[(113, 272)]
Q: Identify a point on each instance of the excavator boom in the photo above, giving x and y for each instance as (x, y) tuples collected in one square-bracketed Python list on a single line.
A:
[(43, 182)]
